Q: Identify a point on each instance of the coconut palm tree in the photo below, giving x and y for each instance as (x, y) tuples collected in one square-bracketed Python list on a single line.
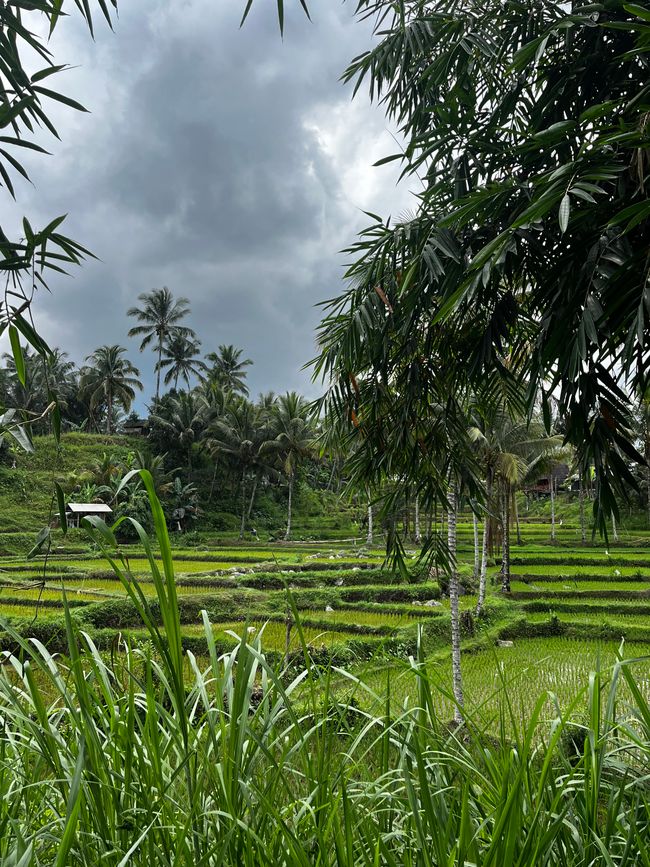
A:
[(159, 315), (186, 417), (184, 503), (294, 438), (228, 369), (242, 435), (110, 379), (180, 357)]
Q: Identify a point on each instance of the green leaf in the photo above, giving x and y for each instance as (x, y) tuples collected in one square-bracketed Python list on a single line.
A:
[(42, 537), (28, 332), (59, 97), (564, 213), (17, 352), (72, 809), (639, 11)]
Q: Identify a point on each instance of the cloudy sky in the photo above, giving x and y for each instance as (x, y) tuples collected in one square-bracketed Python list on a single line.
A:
[(225, 163)]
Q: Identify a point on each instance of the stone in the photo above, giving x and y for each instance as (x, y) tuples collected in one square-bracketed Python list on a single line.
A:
[(502, 643), (328, 608), (433, 603)]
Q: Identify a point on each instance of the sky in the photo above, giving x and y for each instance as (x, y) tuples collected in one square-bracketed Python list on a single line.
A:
[(226, 163)]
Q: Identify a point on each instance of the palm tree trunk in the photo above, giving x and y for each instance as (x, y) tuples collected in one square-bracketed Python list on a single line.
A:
[(454, 603), (515, 509), (243, 505), (370, 527), (252, 499), (581, 497), (288, 533), (109, 412), (614, 532), (505, 554), (417, 535), (552, 489), (160, 349), (476, 547), (407, 517), (213, 482), (482, 583)]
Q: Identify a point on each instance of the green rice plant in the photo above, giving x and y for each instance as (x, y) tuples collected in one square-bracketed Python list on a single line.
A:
[(537, 586), (28, 611)]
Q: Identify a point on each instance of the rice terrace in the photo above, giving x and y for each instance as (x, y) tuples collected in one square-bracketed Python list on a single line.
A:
[(325, 433)]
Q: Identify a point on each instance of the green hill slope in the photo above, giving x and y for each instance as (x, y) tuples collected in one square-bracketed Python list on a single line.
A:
[(26, 490)]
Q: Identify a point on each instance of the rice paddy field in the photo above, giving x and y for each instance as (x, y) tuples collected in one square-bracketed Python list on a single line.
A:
[(570, 608)]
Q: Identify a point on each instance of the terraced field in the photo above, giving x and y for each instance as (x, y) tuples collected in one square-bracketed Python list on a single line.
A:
[(571, 604)]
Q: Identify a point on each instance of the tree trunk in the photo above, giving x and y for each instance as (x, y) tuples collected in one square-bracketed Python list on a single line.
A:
[(288, 533), (476, 547), (614, 532), (454, 603), (581, 497), (515, 509), (417, 535), (370, 527), (212, 484), (252, 500), (160, 349), (243, 505), (109, 412), (407, 518), (505, 554), (482, 584), (552, 489)]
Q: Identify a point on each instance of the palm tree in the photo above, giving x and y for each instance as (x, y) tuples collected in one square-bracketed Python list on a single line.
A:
[(228, 369), (242, 435), (186, 418), (294, 438), (180, 356), (184, 503), (511, 450), (159, 315), (110, 379), (155, 464)]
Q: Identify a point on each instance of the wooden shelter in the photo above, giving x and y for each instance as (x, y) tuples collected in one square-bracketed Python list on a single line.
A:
[(75, 512)]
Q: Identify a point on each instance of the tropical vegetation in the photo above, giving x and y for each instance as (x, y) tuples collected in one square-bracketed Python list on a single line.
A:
[(486, 362)]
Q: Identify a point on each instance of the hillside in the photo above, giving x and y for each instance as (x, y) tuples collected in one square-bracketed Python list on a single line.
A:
[(26, 490), (26, 493)]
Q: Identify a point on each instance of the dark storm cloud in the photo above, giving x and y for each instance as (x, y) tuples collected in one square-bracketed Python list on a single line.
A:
[(224, 163)]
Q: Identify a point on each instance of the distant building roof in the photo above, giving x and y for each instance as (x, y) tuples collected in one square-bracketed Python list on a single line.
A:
[(96, 508)]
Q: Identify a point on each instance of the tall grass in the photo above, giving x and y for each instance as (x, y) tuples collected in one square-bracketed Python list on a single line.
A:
[(145, 756)]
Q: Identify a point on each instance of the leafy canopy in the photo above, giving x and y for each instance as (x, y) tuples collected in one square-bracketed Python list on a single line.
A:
[(525, 261)]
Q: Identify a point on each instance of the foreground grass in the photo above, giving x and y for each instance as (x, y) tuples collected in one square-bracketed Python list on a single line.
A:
[(134, 762)]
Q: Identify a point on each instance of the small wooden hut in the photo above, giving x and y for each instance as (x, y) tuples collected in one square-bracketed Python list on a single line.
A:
[(75, 512)]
